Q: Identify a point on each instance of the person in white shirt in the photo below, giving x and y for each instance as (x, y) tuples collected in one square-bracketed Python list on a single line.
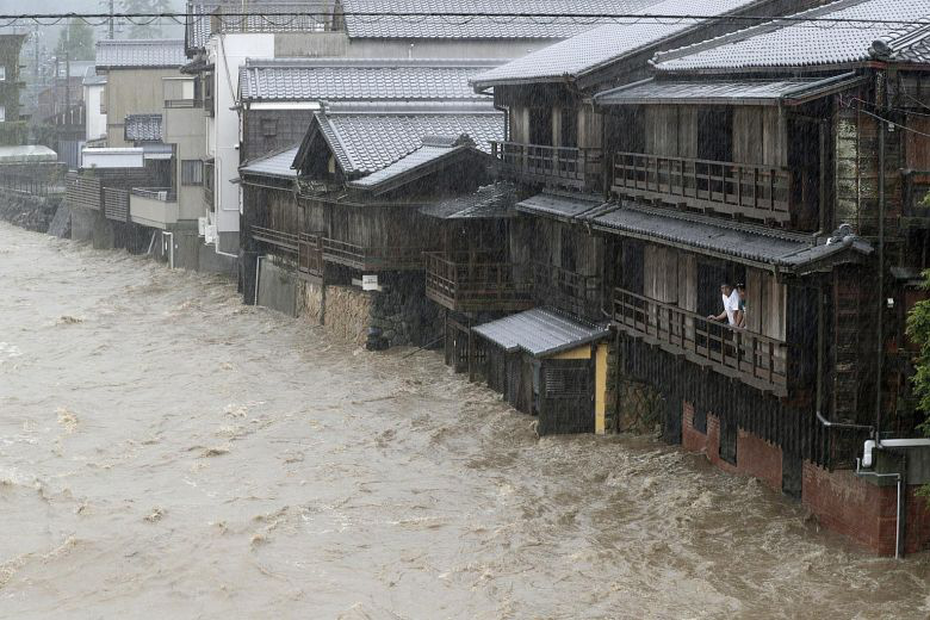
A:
[(730, 306)]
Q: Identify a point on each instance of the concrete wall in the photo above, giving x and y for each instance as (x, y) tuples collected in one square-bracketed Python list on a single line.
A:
[(132, 91), (278, 287), (95, 122), (185, 128)]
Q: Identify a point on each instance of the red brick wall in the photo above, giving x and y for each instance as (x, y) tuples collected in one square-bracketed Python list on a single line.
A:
[(758, 458), (864, 512), (692, 439)]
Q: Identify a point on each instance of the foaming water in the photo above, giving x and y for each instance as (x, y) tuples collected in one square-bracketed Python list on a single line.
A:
[(168, 452)]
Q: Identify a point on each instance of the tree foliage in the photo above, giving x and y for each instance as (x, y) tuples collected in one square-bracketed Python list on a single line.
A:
[(76, 41), (145, 30)]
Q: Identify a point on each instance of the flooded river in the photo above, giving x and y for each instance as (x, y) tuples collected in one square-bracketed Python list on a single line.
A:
[(166, 452)]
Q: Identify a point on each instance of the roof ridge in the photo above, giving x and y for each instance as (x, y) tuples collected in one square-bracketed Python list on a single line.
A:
[(747, 33), (380, 63), (270, 154)]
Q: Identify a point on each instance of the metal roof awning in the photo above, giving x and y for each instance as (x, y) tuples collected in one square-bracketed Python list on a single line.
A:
[(559, 206), (782, 91), (540, 332), (489, 202), (749, 244), (276, 164), (29, 153)]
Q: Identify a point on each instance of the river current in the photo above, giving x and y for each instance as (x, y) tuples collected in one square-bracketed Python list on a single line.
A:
[(166, 452)]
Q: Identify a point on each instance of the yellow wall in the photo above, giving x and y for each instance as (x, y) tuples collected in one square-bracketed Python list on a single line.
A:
[(600, 379)]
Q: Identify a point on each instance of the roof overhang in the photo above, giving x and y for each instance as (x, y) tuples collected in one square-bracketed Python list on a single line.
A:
[(558, 206), (540, 332), (787, 91)]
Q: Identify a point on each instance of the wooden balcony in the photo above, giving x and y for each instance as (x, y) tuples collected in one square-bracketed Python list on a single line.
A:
[(476, 282), (755, 359), (372, 258), (758, 192), (574, 168), (116, 204), (288, 242), (568, 291)]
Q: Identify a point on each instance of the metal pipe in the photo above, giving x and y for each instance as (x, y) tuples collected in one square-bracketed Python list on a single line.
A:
[(258, 274), (830, 424)]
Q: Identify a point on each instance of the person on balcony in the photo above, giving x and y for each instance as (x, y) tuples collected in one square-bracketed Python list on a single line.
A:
[(730, 305), (741, 310)]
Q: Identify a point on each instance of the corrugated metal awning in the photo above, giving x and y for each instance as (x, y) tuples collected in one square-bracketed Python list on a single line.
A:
[(788, 91), (540, 332)]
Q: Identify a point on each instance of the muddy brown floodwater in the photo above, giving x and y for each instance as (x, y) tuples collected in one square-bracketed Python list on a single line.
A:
[(167, 452)]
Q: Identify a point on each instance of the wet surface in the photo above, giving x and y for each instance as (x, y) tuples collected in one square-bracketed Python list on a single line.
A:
[(167, 452)]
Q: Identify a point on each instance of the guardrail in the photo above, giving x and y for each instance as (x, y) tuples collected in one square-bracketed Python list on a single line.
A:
[(164, 194), (559, 165), (762, 192), (471, 282), (372, 258)]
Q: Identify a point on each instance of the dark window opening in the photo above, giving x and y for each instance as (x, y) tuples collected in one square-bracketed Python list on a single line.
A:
[(700, 420), (728, 435), (191, 172), (541, 126), (626, 131), (715, 134), (569, 121), (569, 258), (710, 275), (631, 268)]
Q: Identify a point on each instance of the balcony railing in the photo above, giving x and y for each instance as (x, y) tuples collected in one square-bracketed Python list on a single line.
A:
[(310, 254), (164, 194), (281, 240), (477, 281), (116, 204), (752, 358), (183, 103), (84, 192), (371, 258), (567, 290), (760, 192), (578, 168)]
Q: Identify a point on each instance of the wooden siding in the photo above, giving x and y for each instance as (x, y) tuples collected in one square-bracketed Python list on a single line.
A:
[(116, 204)]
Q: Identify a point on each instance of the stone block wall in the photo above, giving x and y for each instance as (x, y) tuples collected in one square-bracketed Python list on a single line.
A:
[(28, 211), (402, 315), (347, 312)]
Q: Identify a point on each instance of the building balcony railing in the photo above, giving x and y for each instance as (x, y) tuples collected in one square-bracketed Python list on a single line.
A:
[(576, 168), (116, 204), (755, 359), (759, 192), (477, 281), (275, 238), (372, 258), (567, 290), (183, 103), (163, 194)]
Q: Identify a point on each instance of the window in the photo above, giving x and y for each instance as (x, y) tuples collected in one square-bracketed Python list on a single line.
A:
[(569, 122), (715, 133), (2, 114), (2, 73), (269, 127), (191, 172), (541, 126)]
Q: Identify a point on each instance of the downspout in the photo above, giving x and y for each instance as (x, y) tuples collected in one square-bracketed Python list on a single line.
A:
[(882, 95)]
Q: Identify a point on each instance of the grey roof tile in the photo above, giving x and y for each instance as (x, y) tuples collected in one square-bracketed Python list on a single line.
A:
[(277, 164), (488, 202), (432, 150), (334, 79), (365, 139), (802, 44), (140, 53), (723, 91), (741, 242), (143, 127), (559, 206), (486, 26), (540, 332), (606, 43)]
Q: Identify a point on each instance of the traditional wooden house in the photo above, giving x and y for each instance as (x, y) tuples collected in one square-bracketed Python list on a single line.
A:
[(782, 161), (554, 152)]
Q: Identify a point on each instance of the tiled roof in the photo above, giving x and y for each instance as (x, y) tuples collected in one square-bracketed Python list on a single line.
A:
[(724, 92), (804, 44), (277, 164), (143, 127), (741, 242), (540, 332), (607, 43), (559, 206), (140, 53), (433, 149), (911, 45), (367, 138), (486, 26), (490, 201), (334, 79)]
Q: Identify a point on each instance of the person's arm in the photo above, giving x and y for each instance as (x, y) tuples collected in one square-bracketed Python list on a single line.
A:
[(720, 317)]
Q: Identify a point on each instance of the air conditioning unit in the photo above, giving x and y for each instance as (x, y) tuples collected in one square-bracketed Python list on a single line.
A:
[(209, 234), (201, 226)]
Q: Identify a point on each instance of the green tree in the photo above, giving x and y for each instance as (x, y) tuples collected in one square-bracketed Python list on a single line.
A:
[(145, 28), (918, 330), (76, 41)]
